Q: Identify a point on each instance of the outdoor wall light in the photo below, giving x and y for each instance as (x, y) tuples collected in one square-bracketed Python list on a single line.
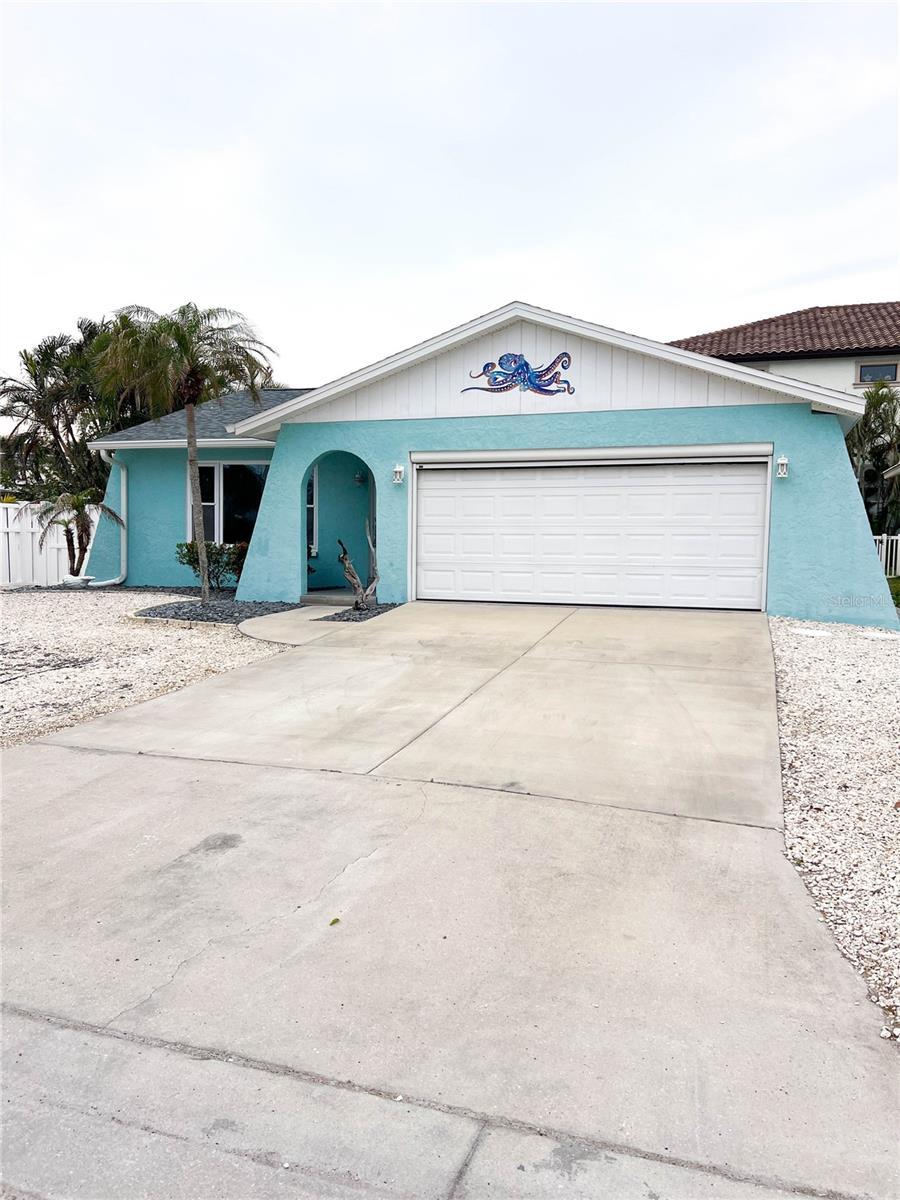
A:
[(359, 478), (398, 474), (781, 467)]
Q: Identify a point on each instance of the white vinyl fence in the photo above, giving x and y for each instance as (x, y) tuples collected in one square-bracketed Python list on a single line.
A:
[(21, 559), (888, 547)]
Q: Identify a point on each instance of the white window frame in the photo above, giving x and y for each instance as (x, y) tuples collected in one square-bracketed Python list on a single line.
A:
[(313, 546), (885, 361), (218, 464)]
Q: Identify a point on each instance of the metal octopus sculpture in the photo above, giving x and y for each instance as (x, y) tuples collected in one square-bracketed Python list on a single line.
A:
[(513, 371)]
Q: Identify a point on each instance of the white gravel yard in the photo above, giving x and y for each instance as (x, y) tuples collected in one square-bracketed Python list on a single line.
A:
[(839, 723), (68, 656)]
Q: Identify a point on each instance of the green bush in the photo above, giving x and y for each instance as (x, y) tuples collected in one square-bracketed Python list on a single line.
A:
[(237, 558), (218, 561)]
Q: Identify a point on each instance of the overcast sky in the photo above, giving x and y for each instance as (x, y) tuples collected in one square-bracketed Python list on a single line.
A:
[(357, 178)]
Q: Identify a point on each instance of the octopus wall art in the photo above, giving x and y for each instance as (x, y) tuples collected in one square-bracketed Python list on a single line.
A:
[(514, 371)]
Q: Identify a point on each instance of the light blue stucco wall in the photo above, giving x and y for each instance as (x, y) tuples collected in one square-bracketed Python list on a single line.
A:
[(157, 515), (822, 562)]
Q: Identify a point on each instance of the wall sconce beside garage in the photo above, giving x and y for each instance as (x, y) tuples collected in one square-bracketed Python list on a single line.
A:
[(781, 466)]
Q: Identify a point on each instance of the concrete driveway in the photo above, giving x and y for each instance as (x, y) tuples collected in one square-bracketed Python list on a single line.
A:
[(467, 901)]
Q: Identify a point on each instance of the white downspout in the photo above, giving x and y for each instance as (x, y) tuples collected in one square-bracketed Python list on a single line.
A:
[(123, 528)]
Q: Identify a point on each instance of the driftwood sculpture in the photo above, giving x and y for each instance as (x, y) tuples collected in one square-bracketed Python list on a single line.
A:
[(362, 596)]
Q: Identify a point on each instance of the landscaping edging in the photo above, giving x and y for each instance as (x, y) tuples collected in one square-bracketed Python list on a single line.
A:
[(179, 622)]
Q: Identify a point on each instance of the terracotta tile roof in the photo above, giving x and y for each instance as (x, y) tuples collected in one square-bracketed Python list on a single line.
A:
[(838, 329)]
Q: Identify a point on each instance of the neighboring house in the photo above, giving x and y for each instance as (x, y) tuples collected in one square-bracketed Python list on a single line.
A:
[(523, 457), (844, 346)]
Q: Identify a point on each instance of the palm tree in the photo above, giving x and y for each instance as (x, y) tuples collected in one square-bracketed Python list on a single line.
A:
[(874, 446), (41, 448), (56, 408), (177, 360), (71, 511)]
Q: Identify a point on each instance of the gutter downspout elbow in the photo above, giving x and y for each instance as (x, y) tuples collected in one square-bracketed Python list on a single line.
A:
[(107, 457)]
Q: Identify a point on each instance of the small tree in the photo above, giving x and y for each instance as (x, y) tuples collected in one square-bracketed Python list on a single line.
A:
[(223, 562), (176, 361), (874, 447), (362, 596), (71, 512)]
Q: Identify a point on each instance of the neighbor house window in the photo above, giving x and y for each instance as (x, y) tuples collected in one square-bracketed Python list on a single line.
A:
[(230, 494), (312, 513), (876, 372)]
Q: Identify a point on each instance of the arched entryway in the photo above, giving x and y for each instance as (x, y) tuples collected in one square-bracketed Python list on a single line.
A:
[(339, 495)]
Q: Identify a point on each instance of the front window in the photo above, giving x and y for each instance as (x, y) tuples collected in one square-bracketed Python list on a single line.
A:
[(230, 494), (208, 501), (877, 372)]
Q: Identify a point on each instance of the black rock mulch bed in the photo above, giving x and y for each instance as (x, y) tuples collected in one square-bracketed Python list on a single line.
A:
[(351, 614), (221, 611)]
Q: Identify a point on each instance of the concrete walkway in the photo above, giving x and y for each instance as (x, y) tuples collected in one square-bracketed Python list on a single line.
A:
[(466, 901)]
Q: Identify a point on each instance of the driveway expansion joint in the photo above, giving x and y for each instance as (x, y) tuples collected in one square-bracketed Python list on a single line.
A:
[(484, 1121), (502, 671), (443, 783)]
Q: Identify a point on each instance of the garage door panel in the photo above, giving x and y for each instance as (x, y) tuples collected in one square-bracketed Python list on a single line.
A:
[(515, 546), (740, 549), (475, 507), (476, 545), (520, 583), (687, 546), (438, 545), (679, 534), (558, 545), (695, 505), (595, 546), (602, 505), (644, 504), (741, 504), (600, 588), (437, 507), (650, 546)]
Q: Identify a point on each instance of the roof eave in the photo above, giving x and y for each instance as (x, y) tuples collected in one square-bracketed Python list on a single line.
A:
[(382, 367), (790, 355), (271, 420), (240, 443)]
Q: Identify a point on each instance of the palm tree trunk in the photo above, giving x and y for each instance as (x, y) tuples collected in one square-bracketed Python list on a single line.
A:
[(196, 503), (82, 552), (70, 549)]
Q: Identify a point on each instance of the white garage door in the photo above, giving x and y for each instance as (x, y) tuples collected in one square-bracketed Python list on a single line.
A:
[(685, 535)]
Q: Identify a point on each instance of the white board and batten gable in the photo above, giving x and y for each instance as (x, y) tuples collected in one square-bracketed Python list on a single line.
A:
[(607, 370)]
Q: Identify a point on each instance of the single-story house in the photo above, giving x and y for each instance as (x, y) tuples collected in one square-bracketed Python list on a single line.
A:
[(522, 457)]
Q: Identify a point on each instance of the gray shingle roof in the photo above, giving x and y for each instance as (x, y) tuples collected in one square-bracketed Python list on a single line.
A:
[(212, 417)]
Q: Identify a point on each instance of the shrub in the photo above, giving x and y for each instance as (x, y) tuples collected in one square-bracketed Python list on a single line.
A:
[(218, 560), (236, 558)]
